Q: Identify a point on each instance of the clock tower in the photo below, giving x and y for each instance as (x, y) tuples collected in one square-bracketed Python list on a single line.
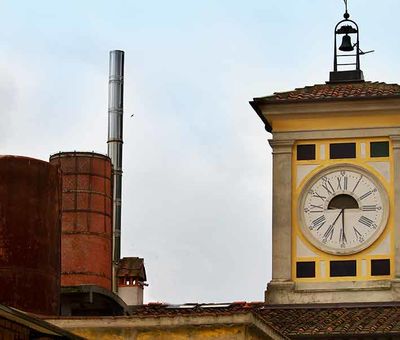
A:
[(336, 185)]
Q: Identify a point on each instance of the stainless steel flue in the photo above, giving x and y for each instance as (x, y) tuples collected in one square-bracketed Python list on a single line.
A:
[(114, 143)]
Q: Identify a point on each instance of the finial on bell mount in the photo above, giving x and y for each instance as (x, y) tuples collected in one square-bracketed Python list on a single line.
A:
[(346, 66), (346, 14)]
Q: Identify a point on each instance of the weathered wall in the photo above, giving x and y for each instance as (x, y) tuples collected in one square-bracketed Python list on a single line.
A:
[(11, 330), (30, 235), (237, 326), (253, 333), (86, 218), (187, 333), (131, 295)]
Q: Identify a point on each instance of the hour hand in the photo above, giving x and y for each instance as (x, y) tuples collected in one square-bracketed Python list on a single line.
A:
[(337, 217), (342, 237)]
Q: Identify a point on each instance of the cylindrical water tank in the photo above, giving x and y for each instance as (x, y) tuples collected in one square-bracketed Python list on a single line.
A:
[(86, 241), (30, 199)]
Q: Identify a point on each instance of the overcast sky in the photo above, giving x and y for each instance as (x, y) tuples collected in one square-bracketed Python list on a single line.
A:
[(197, 165)]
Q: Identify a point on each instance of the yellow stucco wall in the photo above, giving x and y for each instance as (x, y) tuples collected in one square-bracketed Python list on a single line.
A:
[(366, 162), (194, 334), (232, 326), (186, 333), (315, 122)]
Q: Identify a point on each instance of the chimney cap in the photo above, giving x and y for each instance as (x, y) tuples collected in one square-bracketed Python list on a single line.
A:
[(132, 267)]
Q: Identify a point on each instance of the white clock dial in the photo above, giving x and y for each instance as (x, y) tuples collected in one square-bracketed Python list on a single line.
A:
[(343, 209)]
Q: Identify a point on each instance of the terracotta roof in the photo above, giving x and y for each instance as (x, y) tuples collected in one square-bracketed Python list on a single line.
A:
[(160, 309), (306, 321), (335, 91), (333, 320), (200, 309), (132, 266)]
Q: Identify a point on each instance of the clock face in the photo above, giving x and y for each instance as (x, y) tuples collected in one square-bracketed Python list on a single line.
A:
[(343, 209)]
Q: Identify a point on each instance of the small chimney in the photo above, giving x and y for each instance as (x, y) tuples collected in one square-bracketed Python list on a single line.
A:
[(115, 129), (131, 280)]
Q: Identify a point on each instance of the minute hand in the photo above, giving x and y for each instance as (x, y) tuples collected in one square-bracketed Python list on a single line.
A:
[(329, 231)]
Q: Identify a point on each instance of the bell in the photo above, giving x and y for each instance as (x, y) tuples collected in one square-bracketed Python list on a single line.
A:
[(346, 45)]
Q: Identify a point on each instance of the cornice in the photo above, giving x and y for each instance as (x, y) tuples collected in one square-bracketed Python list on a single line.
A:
[(368, 106), (395, 139), (281, 146)]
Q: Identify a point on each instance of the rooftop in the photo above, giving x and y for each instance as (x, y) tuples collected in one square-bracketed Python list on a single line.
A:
[(333, 320), (294, 321), (132, 266), (325, 321), (26, 324), (320, 92)]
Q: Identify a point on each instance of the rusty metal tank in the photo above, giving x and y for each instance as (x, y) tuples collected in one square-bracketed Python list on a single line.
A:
[(86, 241), (30, 198)]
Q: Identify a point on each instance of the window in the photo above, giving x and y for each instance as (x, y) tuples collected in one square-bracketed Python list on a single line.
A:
[(342, 150), (379, 149), (343, 268), (305, 152), (305, 269), (380, 267)]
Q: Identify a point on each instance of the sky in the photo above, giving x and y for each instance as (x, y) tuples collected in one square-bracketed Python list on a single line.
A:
[(197, 164)]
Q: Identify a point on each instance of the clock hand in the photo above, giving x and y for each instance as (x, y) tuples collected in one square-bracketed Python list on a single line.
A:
[(342, 234), (329, 231), (337, 217)]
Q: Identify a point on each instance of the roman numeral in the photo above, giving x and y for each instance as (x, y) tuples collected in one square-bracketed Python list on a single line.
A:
[(328, 233), (342, 237), (317, 195), (358, 235), (339, 183), (365, 195), (355, 187), (325, 186), (369, 207), (319, 207), (318, 222), (366, 221)]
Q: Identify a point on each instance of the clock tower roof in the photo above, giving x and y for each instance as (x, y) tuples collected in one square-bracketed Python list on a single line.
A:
[(337, 91), (325, 93)]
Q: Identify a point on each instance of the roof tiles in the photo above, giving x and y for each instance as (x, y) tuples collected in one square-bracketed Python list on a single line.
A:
[(296, 321), (344, 320), (132, 266), (160, 309), (335, 91)]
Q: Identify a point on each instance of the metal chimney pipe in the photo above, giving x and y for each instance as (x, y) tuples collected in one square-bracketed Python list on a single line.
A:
[(114, 143)]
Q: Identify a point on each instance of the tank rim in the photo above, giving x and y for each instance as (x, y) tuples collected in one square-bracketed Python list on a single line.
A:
[(26, 158), (62, 154)]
